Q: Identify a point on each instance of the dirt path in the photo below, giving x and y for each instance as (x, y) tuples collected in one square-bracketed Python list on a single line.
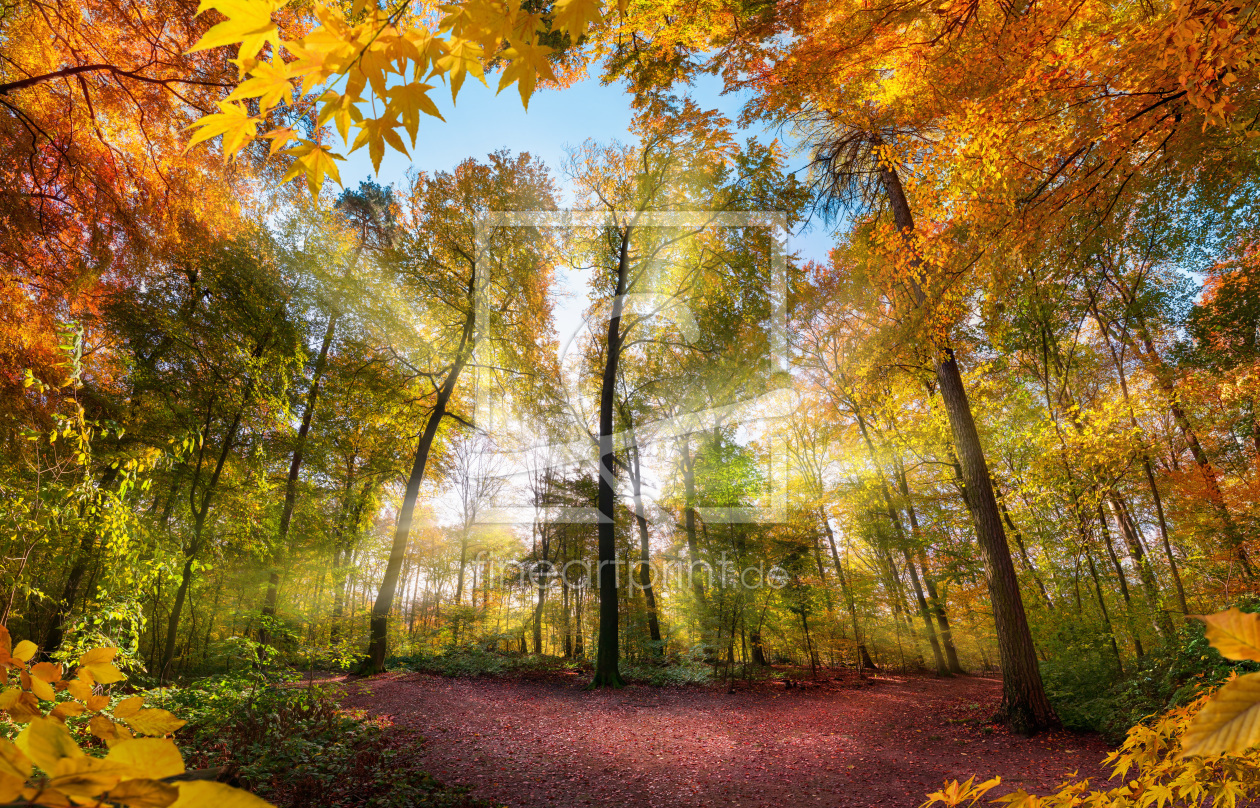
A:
[(551, 743)]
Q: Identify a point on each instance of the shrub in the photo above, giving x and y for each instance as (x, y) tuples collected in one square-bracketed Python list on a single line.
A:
[(295, 746)]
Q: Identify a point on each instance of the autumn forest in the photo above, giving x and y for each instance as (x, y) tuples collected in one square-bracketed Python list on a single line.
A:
[(531, 481)]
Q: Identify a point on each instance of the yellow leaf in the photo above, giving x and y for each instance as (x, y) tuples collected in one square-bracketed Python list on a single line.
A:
[(85, 776), (460, 57), (1234, 633), (143, 793), (106, 673), (10, 788), (315, 162), (9, 697), (376, 132), (47, 671), (98, 655), (97, 703), (409, 100), (269, 82), (248, 23), (1229, 722), (46, 741), (47, 797), (156, 758), (79, 689), (128, 706), (25, 708), (12, 761), (6, 644), (103, 728), (279, 137), (24, 651), (67, 708), (154, 721), (575, 16), (206, 794), (342, 109), (527, 63), (42, 689), (238, 128)]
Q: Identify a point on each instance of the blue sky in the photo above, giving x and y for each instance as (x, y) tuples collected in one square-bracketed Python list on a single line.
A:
[(483, 122)]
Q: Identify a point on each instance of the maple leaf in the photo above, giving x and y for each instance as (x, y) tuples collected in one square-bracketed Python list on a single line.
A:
[(269, 82), (248, 23), (575, 16), (410, 100), (527, 62), (315, 161), (1234, 633), (375, 133), (459, 58), (341, 109), (235, 123)]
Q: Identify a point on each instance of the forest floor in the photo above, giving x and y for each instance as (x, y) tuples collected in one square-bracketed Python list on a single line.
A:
[(549, 742)]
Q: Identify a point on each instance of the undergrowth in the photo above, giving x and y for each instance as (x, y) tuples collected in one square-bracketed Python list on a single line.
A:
[(295, 747), (1089, 692), (475, 660)]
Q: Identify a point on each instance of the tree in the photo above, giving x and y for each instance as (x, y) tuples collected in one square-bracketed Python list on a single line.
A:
[(450, 275)]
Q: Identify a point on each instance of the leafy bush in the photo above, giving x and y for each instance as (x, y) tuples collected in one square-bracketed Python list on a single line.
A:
[(477, 660), (672, 675), (1089, 694), (296, 747)]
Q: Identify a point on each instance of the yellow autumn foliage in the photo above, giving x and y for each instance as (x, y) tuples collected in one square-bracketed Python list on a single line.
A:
[(45, 766), (1206, 753)]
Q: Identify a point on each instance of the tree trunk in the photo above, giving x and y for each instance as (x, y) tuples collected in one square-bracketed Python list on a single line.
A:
[(199, 524), (607, 651), (1024, 703), (378, 628), (934, 602), (645, 559), (290, 488), (87, 547)]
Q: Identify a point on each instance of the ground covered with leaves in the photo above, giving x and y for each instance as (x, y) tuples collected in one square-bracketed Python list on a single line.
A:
[(549, 742)]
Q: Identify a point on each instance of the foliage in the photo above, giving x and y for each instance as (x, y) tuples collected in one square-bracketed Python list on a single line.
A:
[(295, 746), (1201, 753), (386, 57), (141, 764)]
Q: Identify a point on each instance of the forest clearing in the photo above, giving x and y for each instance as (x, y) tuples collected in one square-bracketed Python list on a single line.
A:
[(883, 743), (418, 404)]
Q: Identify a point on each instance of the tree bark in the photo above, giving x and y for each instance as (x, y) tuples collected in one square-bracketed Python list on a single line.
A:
[(378, 628), (290, 488), (607, 650), (1024, 703)]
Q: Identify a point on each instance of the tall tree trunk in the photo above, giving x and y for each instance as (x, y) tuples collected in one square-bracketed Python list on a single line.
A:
[(607, 650), (934, 602), (1019, 544), (1024, 703), (1150, 588), (87, 548), (378, 627), (1163, 376), (1102, 604), (1124, 584), (645, 559), (290, 487), (1146, 464), (689, 518), (863, 656), (929, 629), (199, 525)]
